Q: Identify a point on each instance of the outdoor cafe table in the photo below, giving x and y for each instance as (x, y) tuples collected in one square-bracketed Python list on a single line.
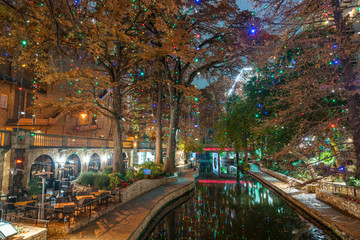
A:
[(86, 196), (24, 203), (62, 205)]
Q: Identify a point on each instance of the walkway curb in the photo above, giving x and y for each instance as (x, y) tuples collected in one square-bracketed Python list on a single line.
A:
[(306, 211), (174, 195)]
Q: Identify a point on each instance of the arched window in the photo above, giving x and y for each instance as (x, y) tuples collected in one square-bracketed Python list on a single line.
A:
[(94, 163), (73, 165), (43, 163)]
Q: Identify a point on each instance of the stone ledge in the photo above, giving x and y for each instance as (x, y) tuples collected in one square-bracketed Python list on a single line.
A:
[(30, 233), (292, 181), (334, 200), (294, 203), (158, 207)]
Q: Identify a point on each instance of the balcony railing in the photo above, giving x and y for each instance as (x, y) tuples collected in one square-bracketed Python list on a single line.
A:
[(5, 138), (51, 140), (146, 145)]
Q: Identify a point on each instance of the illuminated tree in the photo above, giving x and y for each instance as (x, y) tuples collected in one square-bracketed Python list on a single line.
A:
[(317, 52), (200, 41), (92, 49), (236, 128)]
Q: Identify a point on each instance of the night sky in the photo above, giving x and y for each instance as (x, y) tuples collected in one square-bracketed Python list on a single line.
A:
[(244, 4)]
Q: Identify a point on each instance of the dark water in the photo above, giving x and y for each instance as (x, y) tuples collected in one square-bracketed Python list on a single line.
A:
[(235, 211)]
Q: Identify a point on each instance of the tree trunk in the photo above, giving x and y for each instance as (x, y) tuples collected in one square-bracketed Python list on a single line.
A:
[(350, 80), (118, 160), (158, 146), (309, 167), (246, 152), (238, 165), (336, 152), (171, 146)]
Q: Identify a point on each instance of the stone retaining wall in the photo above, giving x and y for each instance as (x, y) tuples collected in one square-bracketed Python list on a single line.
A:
[(140, 187), (334, 200), (158, 207), (134, 190)]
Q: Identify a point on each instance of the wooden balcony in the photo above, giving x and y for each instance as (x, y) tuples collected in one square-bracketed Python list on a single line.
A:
[(41, 140)]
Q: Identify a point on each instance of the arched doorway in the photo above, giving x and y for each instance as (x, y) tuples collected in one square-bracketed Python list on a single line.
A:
[(94, 163), (43, 163), (74, 166)]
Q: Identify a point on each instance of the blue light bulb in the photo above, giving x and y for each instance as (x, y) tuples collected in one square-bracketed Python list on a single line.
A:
[(253, 31)]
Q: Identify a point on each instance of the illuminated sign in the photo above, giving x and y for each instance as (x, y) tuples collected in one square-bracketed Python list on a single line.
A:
[(218, 149)]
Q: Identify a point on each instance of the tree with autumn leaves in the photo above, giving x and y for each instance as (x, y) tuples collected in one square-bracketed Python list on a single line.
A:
[(99, 51), (310, 76)]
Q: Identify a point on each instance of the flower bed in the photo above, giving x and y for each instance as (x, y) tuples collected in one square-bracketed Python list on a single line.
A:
[(350, 198)]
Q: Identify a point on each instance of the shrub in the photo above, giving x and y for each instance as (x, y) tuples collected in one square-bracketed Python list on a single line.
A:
[(35, 188), (140, 175), (129, 174), (102, 181), (353, 181), (156, 169), (87, 179), (108, 170), (114, 180)]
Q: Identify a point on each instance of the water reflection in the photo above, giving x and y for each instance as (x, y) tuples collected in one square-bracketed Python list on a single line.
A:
[(235, 211)]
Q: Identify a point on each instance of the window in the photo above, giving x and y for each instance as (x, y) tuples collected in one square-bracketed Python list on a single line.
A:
[(3, 101)]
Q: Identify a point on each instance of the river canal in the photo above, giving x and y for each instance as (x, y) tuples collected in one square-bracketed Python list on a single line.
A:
[(223, 209)]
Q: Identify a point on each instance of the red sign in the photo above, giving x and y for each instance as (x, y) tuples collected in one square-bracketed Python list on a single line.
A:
[(218, 149)]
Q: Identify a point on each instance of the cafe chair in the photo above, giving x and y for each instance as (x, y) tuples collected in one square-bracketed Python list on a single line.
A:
[(68, 210)]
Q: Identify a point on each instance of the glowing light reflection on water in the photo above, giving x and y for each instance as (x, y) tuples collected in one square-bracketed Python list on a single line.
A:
[(235, 211)]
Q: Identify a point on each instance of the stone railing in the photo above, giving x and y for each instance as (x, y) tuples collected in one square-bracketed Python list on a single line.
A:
[(340, 188), (292, 181), (5, 138)]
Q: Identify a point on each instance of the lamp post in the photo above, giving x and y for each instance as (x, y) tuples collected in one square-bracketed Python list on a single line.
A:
[(43, 176)]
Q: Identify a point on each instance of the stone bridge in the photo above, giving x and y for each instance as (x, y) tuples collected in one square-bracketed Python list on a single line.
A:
[(46, 152)]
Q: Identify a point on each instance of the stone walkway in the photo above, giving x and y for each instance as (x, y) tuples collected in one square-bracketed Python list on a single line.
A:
[(123, 221), (344, 222)]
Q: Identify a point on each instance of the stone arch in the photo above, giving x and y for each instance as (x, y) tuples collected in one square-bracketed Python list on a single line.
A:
[(43, 163), (94, 163), (74, 160)]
